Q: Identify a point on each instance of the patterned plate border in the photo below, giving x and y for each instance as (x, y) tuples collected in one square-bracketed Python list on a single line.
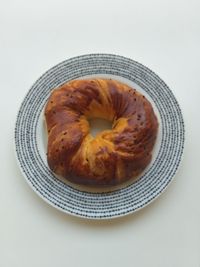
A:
[(110, 204)]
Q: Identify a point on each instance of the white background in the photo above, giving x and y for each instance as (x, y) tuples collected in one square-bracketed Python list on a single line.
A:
[(163, 35)]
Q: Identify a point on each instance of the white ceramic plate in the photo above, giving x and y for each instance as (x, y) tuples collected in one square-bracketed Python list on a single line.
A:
[(30, 139)]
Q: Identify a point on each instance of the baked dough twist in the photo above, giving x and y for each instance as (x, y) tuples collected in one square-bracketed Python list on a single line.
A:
[(113, 156)]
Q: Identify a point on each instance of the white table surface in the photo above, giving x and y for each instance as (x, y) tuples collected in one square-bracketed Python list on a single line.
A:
[(163, 35)]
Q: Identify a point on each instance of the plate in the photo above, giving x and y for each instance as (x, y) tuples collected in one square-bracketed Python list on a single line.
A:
[(30, 139)]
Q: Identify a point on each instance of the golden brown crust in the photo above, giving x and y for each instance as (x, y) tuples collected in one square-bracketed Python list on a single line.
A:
[(113, 156)]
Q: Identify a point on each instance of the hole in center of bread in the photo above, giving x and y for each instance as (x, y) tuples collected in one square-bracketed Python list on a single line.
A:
[(99, 125)]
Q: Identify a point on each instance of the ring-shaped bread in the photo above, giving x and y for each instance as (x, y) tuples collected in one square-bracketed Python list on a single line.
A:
[(113, 156)]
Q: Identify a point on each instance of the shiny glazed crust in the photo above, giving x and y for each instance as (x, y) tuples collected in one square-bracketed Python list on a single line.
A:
[(113, 156)]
